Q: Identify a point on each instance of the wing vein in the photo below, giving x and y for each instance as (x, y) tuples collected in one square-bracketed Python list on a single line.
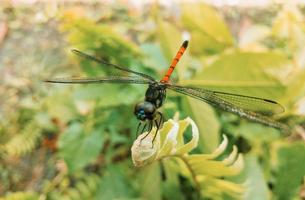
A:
[(213, 99), (87, 56), (110, 79)]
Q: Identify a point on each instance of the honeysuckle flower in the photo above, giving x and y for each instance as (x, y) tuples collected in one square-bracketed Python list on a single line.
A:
[(207, 171), (168, 142)]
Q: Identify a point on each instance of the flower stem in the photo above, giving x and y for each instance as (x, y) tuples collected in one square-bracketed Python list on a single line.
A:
[(197, 185)]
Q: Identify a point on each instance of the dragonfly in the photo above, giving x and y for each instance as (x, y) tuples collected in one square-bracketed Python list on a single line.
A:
[(147, 111)]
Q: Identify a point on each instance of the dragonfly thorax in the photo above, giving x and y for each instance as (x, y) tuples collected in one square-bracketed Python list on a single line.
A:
[(156, 94)]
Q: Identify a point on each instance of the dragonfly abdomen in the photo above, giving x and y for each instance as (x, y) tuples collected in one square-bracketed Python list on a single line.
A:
[(174, 62)]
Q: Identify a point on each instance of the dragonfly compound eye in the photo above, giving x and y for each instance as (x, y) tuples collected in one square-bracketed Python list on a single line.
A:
[(145, 110)]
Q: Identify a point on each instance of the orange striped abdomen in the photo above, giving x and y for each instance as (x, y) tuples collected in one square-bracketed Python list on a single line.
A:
[(174, 62)]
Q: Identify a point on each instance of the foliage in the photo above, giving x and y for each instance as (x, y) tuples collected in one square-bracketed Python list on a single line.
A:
[(78, 147), (289, 157), (73, 142), (85, 187), (24, 142), (21, 196)]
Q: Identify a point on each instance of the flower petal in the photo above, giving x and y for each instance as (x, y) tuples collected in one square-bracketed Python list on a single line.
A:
[(143, 152), (193, 142), (170, 141)]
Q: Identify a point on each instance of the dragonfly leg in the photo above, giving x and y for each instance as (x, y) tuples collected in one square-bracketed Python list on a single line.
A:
[(148, 130), (150, 126), (138, 128), (161, 119), (158, 126)]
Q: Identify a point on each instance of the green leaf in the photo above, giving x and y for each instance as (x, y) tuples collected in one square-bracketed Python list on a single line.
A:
[(78, 148), (245, 73), (154, 56), (208, 124), (109, 94), (171, 185), (60, 105), (256, 186), (114, 184), (84, 187), (291, 170), (288, 25), (101, 40), (295, 89), (209, 33), (148, 175), (169, 37), (255, 132), (21, 196), (25, 141), (251, 38)]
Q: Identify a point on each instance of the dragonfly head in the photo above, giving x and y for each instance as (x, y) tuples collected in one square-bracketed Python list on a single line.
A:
[(145, 111)]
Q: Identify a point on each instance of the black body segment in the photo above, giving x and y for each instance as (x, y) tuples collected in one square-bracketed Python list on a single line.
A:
[(156, 94)]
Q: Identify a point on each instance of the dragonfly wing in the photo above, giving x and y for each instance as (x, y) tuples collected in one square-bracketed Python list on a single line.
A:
[(245, 106), (89, 57), (110, 79), (256, 104)]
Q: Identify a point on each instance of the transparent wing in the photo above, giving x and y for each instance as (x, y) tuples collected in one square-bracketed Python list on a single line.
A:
[(89, 57), (245, 106), (256, 104), (110, 79)]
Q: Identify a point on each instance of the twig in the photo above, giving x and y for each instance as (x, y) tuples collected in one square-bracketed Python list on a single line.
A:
[(197, 185)]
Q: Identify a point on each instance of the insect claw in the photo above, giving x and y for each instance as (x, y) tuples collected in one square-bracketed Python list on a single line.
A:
[(138, 128), (158, 125), (148, 131)]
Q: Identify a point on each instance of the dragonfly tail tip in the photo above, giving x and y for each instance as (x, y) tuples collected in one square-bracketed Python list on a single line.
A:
[(74, 50), (185, 43)]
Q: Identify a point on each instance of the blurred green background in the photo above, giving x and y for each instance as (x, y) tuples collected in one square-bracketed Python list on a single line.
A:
[(73, 141)]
